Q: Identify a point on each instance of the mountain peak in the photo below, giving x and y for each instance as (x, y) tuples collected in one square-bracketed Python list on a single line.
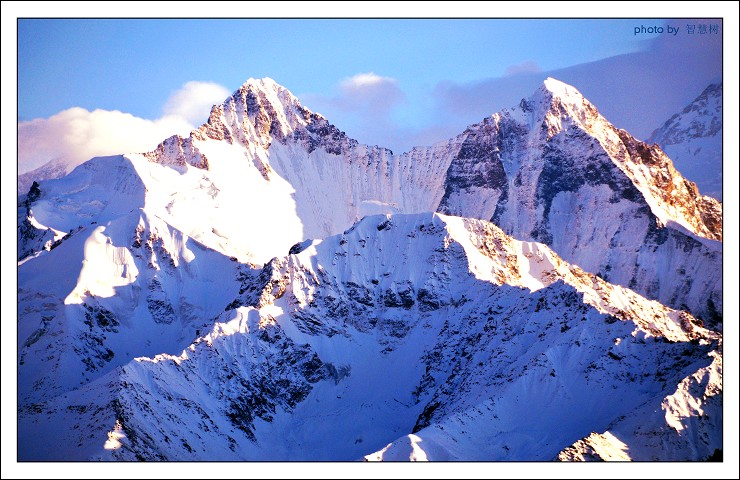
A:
[(267, 95), (555, 99), (558, 89), (692, 138), (264, 82), (258, 113), (267, 85)]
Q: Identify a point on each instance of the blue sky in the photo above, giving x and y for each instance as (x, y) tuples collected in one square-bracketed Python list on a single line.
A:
[(135, 64), (102, 86)]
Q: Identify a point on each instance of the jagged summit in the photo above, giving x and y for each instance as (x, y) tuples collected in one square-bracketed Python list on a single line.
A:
[(264, 82), (257, 114), (561, 90), (693, 140), (277, 94), (555, 101)]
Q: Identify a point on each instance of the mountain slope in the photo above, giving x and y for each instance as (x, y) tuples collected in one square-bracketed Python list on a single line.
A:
[(551, 170), (663, 429), (693, 140), (438, 327), (123, 285)]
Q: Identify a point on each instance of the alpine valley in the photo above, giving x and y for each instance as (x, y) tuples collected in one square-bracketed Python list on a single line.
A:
[(543, 286)]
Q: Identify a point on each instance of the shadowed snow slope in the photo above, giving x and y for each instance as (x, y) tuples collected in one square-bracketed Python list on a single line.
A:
[(413, 336)]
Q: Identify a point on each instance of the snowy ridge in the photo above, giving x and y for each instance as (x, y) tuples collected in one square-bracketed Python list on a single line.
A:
[(697, 395), (133, 286), (404, 325), (693, 140)]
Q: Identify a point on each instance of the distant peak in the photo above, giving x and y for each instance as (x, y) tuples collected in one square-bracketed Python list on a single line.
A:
[(713, 89)]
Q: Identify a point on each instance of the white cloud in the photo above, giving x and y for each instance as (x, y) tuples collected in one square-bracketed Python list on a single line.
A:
[(75, 135), (369, 94), (194, 100), (363, 106), (364, 80)]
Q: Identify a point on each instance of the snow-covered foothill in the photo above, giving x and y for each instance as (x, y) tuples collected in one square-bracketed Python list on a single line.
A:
[(417, 337)]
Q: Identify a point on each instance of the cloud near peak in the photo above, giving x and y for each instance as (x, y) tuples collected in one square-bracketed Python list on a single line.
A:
[(193, 99), (363, 105), (368, 94), (75, 135)]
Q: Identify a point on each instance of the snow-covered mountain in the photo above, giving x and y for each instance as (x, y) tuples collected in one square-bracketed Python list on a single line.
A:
[(123, 285), (551, 169), (369, 343), (413, 336), (554, 170), (693, 140)]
